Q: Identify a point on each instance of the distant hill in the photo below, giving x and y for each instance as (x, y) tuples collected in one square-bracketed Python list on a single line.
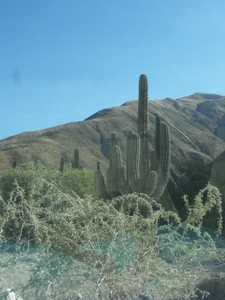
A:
[(197, 126)]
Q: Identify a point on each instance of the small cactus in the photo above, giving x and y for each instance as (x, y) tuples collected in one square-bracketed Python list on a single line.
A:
[(137, 175), (62, 162), (14, 164), (76, 160)]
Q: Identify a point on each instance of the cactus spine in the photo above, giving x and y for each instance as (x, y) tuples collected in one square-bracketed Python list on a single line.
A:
[(137, 175)]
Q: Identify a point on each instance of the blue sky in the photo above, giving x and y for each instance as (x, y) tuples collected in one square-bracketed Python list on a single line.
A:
[(63, 60)]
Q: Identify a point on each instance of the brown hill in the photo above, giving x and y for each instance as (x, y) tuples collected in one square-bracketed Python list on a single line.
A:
[(197, 126)]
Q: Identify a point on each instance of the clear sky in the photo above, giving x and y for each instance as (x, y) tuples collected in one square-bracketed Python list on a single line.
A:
[(63, 60)]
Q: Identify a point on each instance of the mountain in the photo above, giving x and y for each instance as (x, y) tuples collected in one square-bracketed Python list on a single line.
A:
[(197, 127)]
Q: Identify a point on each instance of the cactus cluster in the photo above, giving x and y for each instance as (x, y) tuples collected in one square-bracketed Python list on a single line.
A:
[(75, 162), (138, 174)]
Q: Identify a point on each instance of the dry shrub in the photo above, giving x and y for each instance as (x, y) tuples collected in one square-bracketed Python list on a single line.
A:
[(113, 250)]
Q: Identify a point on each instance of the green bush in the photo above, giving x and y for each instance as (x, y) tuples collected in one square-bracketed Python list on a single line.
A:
[(193, 176), (25, 178), (30, 178), (81, 181)]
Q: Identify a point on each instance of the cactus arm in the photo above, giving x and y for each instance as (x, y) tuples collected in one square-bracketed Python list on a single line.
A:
[(133, 161), (157, 137), (111, 185), (113, 142), (122, 185), (116, 174), (151, 183), (162, 157), (99, 183), (116, 181)]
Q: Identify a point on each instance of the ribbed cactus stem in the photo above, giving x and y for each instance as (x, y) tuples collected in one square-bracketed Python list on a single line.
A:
[(111, 173), (151, 183), (100, 184), (113, 142), (76, 160), (62, 162), (157, 135), (161, 156), (133, 161), (120, 170), (116, 173), (143, 120), (143, 129)]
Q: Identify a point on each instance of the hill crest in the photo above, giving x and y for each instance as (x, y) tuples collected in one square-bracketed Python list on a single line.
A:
[(197, 126)]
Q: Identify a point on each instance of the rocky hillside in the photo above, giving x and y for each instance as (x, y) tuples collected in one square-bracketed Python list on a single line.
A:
[(197, 127)]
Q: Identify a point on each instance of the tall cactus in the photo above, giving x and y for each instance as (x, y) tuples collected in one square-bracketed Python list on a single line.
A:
[(138, 175), (143, 129)]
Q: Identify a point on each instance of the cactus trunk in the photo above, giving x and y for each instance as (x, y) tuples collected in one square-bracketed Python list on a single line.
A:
[(62, 162), (143, 129), (76, 160)]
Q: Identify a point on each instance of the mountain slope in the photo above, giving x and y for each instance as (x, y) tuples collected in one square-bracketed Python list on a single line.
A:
[(197, 126)]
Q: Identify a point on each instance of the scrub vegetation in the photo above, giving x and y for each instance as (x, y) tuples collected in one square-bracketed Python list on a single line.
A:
[(124, 248)]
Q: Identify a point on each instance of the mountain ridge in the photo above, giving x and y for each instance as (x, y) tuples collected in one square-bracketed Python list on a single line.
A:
[(197, 127)]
